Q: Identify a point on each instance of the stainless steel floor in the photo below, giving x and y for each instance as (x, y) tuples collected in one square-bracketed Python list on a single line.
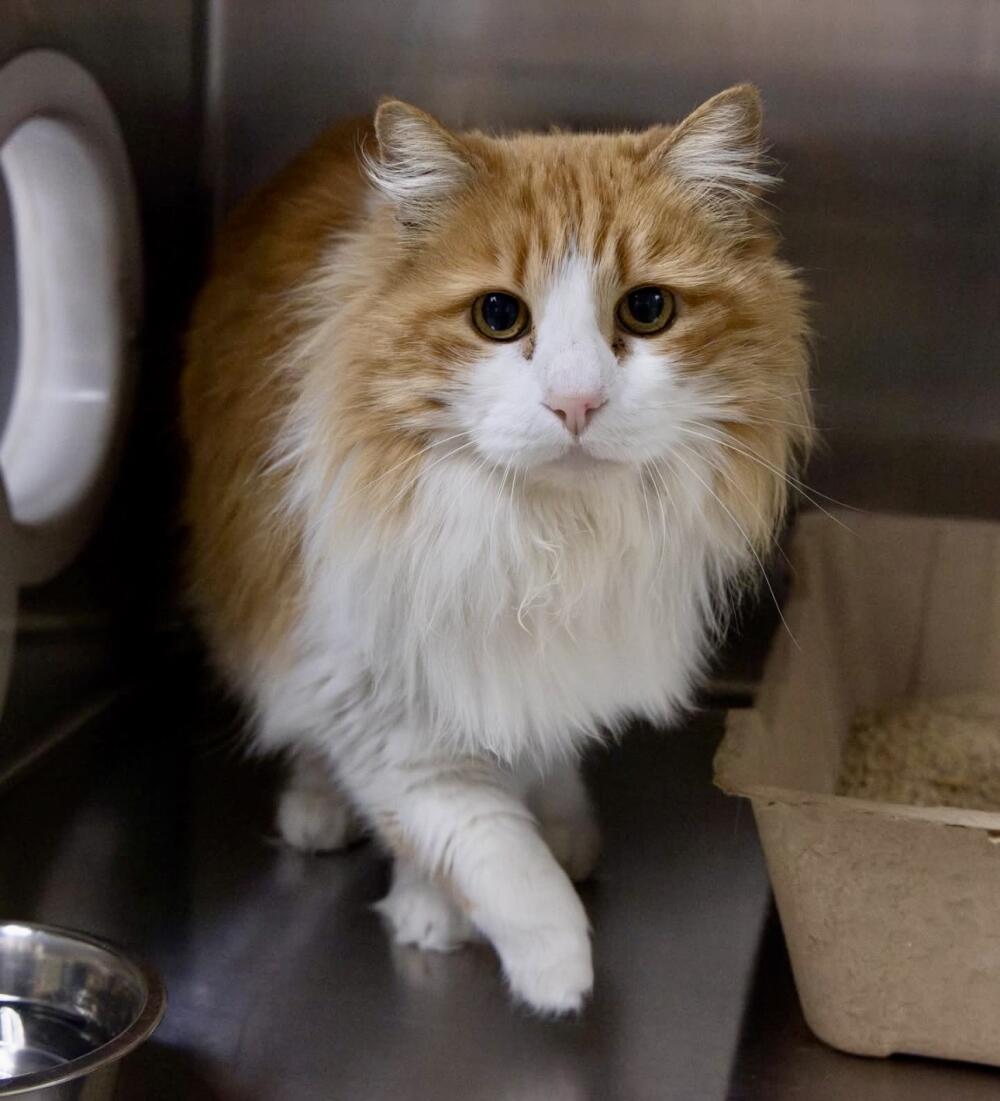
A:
[(152, 830)]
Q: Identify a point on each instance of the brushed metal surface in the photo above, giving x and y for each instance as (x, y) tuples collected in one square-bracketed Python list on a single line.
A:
[(883, 115), (282, 985), (155, 831), (147, 59)]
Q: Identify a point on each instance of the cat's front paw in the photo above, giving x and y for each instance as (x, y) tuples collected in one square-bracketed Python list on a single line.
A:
[(316, 820), (551, 972), (575, 842), (420, 913)]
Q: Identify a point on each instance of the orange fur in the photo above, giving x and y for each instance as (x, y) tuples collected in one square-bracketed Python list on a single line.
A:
[(244, 564)]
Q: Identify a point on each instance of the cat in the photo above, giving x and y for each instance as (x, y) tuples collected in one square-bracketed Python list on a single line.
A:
[(484, 434)]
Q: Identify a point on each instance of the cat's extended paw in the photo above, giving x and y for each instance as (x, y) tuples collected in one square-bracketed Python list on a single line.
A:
[(575, 842), (552, 973), (316, 820), (420, 913)]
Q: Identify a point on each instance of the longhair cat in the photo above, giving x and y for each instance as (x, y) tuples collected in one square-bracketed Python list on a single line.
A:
[(484, 433)]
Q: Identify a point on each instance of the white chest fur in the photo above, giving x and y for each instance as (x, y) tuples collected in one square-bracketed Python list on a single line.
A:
[(516, 620)]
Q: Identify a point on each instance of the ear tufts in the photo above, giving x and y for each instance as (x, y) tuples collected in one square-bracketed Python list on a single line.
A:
[(420, 164), (717, 151)]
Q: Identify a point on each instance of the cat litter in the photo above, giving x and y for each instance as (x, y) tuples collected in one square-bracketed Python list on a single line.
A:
[(871, 757), (928, 753)]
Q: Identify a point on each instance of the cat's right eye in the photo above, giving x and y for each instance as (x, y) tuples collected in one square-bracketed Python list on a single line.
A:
[(500, 316)]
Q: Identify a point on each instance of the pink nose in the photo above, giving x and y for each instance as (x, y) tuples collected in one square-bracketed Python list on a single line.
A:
[(574, 410)]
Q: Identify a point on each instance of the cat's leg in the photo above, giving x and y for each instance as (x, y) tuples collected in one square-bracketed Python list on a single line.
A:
[(461, 823), (566, 818), (422, 912), (314, 814)]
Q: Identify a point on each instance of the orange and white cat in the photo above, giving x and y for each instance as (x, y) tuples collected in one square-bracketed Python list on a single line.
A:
[(483, 433)]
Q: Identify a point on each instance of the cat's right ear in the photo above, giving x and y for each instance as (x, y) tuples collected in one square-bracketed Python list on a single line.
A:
[(420, 165)]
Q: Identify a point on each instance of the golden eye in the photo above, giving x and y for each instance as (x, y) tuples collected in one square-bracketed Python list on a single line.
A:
[(646, 310), (500, 316)]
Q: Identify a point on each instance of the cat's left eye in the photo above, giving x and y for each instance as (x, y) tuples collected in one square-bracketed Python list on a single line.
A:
[(500, 316), (646, 310)]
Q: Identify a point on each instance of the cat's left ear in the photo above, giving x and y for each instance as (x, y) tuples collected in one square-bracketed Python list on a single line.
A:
[(717, 151), (420, 166)]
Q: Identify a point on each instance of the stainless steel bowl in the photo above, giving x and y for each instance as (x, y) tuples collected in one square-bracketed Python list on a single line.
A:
[(70, 1008)]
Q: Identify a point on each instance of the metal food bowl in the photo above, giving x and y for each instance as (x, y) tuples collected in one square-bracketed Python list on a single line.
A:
[(70, 1008)]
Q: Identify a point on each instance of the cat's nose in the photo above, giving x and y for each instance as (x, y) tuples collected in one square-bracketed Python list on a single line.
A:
[(575, 410)]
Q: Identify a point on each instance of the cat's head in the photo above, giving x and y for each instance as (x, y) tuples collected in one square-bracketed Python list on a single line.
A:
[(580, 307)]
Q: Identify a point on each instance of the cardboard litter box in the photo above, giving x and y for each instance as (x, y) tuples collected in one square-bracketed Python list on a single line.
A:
[(891, 912)]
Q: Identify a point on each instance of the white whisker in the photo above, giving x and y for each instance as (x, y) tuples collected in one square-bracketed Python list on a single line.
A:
[(749, 543), (420, 474), (661, 556), (791, 480)]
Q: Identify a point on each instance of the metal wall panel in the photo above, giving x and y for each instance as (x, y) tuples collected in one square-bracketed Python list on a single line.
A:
[(84, 636), (147, 57)]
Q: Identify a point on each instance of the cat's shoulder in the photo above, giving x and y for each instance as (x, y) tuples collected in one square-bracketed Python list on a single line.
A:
[(320, 191)]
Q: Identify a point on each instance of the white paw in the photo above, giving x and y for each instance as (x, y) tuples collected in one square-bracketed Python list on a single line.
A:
[(551, 972), (420, 913), (315, 820), (575, 842)]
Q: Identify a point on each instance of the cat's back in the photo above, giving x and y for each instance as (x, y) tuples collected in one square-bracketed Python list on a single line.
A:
[(268, 247), (242, 562)]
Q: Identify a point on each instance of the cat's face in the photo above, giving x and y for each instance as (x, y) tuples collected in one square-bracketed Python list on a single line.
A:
[(577, 307)]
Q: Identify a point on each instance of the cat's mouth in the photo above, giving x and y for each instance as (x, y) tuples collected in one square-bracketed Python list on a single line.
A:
[(580, 459), (577, 461)]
